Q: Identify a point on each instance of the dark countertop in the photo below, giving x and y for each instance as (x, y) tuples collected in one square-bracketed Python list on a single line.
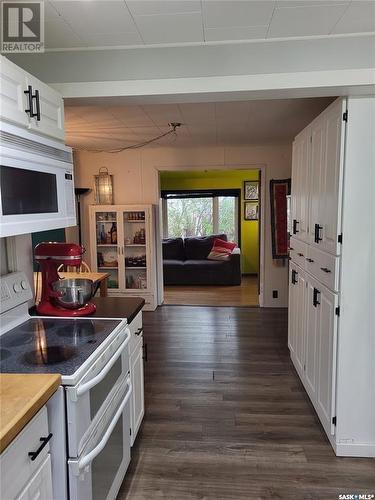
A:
[(113, 307), (118, 307)]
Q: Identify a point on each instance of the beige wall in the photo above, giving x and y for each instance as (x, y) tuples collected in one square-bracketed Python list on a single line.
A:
[(136, 180)]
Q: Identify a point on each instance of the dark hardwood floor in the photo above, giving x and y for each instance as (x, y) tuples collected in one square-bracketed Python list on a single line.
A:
[(227, 417)]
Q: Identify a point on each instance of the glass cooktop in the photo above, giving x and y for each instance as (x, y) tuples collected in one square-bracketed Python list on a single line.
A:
[(50, 345)]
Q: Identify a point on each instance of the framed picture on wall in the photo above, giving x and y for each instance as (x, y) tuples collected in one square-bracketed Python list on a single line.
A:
[(251, 190), (251, 210)]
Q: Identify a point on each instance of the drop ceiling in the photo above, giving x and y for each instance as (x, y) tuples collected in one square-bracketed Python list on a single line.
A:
[(86, 24), (203, 124)]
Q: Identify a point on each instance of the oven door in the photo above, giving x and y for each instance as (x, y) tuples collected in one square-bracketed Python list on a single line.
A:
[(98, 472), (87, 401)]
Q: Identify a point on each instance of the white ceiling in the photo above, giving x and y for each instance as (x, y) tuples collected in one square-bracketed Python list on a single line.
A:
[(110, 23), (221, 123)]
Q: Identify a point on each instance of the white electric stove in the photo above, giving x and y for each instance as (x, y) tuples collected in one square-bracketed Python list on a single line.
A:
[(92, 407)]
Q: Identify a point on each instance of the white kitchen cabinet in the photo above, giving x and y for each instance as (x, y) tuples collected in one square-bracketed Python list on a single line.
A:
[(297, 292), (25, 476), (51, 108), (122, 243), (40, 485), (337, 332), (136, 349), (300, 185), (327, 147), (30, 103), (12, 97)]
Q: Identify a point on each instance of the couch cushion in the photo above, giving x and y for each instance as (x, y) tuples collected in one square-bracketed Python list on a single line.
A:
[(173, 249), (199, 248), (221, 250)]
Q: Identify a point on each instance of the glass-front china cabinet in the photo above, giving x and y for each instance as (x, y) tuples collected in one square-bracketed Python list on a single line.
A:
[(122, 244)]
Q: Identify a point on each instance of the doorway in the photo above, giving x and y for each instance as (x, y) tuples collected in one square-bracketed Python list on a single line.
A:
[(198, 205)]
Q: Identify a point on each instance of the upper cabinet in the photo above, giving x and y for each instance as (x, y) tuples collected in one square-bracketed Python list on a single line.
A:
[(300, 186), (30, 103), (317, 179)]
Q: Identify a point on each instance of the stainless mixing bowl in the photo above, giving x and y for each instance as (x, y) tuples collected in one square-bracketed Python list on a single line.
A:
[(73, 293)]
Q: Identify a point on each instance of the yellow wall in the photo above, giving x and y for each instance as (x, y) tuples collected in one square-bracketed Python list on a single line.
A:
[(222, 179)]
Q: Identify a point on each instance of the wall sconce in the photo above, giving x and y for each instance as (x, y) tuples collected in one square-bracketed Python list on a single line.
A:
[(104, 187)]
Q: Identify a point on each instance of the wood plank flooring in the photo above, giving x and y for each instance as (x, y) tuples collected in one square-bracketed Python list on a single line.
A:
[(227, 417), (245, 294)]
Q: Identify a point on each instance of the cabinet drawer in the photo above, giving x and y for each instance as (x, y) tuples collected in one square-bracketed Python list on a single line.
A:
[(298, 252), (135, 328), (16, 466), (40, 485), (324, 266)]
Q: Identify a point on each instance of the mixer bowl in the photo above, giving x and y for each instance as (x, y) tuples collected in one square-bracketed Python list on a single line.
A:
[(73, 293)]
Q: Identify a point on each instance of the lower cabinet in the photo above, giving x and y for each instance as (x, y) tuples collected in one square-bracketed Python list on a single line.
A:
[(136, 349), (312, 341), (26, 463)]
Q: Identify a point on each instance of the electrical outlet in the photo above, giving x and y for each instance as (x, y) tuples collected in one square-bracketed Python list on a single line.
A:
[(275, 294)]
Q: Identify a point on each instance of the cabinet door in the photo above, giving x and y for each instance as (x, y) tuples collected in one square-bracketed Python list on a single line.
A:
[(327, 143), (137, 378), (51, 107), (300, 185), (326, 366), (312, 333), (12, 97), (40, 485), (136, 246), (297, 290)]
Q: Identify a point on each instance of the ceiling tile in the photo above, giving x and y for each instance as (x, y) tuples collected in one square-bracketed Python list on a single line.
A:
[(96, 16), (305, 21), (309, 3), (235, 33), (359, 17), (131, 116), (162, 114), (170, 28), (229, 113), (59, 34), (147, 7), (111, 39), (195, 114), (224, 13)]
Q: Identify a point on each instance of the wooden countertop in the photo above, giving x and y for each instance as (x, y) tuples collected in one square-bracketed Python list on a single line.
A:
[(21, 397), (118, 307)]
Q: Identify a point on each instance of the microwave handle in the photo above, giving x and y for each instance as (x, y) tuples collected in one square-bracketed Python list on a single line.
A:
[(81, 389), (87, 459)]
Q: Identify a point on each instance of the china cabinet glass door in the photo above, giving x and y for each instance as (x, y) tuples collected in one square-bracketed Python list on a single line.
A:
[(107, 251), (135, 253)]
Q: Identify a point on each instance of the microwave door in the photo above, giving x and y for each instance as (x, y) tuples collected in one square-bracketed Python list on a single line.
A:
[(98, 473)]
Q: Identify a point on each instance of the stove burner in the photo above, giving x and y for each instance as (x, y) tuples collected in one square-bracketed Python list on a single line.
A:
[(49, 355), (4, 354), (35, 326)]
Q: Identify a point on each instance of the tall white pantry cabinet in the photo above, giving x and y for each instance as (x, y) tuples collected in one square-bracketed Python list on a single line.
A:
[(331, 333)]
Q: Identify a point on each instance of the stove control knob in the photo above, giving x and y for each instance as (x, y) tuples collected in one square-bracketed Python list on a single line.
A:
[(24, 284), (17, 288)]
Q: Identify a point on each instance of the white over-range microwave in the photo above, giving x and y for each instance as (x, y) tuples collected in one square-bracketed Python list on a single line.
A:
[(36, 183)]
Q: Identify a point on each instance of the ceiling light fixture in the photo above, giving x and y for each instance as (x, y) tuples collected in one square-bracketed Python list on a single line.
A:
[(173, 126)]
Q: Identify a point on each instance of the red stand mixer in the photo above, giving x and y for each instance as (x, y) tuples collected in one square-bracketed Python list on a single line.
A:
[(63, 297)]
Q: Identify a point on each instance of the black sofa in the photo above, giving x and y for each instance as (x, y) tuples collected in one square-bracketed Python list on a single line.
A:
[(185, 263)]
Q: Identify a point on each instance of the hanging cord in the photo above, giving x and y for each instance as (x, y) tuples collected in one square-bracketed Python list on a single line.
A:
[(173, 125)]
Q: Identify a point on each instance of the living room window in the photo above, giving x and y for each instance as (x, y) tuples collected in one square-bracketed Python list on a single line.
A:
[(197, 213)]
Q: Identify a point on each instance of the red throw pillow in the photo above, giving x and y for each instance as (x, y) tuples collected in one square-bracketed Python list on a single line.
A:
[(221, 249)]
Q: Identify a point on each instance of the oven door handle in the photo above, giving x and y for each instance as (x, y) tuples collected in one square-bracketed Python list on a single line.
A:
[(87, 459), (81, 389)]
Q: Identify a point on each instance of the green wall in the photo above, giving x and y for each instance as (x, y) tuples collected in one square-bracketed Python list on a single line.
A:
[(217, 179)]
